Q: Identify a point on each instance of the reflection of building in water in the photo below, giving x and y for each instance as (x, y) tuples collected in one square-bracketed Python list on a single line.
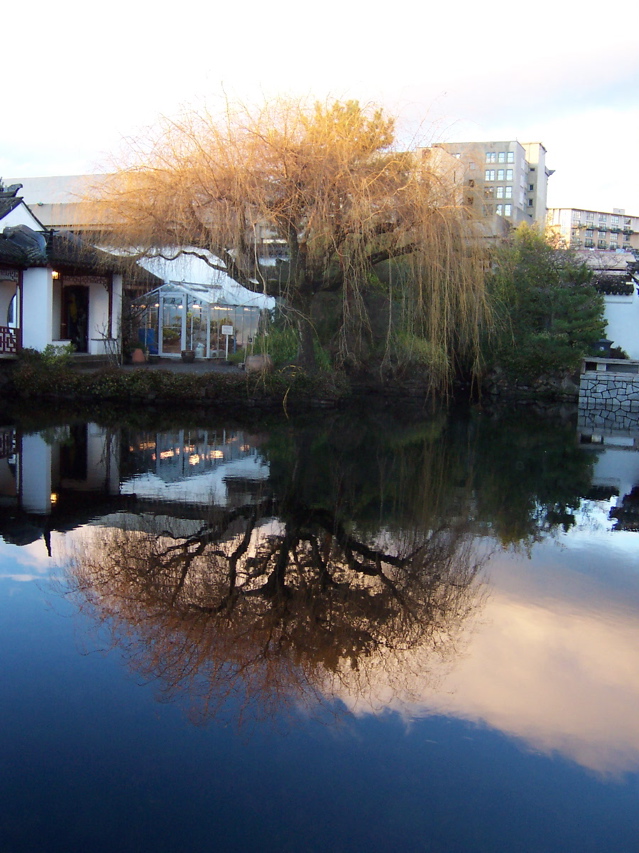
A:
[(195, 466), (616, 473), (37, 468), (66, 476), (55, 479)]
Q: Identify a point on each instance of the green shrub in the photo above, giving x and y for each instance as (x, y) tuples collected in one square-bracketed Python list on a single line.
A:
[(281, 344)]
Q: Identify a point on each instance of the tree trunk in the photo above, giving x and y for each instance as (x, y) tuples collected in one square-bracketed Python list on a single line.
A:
[(306, 351)]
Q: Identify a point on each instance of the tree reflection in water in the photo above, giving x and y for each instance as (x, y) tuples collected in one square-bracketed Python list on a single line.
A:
[(352, 570), (284, 602)]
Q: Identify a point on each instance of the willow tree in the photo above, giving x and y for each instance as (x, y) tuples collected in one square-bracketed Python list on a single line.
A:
[(294, 201)]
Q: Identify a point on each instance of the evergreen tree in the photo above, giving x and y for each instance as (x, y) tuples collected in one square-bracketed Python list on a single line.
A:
[(550, 313)]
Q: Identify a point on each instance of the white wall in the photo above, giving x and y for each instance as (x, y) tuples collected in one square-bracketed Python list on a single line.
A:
[(37, 320), (116, 323), (20, 215), (622, 317), (98, 317)]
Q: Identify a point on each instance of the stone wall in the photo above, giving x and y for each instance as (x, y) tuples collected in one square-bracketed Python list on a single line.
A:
[(609, 399)]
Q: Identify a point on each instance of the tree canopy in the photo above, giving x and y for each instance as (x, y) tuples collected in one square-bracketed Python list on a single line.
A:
[(551, 312), (295, 200)]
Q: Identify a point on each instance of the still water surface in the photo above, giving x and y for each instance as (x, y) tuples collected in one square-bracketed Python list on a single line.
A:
[(357, 634)]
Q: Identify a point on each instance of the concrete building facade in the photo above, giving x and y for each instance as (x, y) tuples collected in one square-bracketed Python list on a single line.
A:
[(505, 179), (595, 229)]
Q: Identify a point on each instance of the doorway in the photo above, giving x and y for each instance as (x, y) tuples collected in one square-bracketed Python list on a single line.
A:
[(75, 316)]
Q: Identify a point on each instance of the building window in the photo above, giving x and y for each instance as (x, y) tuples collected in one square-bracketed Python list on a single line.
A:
[(499, 209), (501, 157), (531, 187), (576, 216), (509, 192), (590, 217), (489, 192), (530, 202), (501, 175), (589, 233), (491, 157), (508, 209), (509, 174), (603, 217), (490, 175), (471, 165), (500, 192), (457, 156), (614, 220), (510, 157)]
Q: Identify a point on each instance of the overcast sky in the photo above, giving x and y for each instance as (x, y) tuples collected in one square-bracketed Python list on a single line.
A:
[(80, 78)]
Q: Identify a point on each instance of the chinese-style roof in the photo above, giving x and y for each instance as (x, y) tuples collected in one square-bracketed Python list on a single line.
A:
[(8, 204)]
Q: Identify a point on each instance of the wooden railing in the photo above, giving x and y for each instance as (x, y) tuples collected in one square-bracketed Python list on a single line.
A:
[(8, 340)]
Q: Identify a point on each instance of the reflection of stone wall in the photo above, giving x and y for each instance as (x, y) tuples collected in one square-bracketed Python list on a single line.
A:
[(609, 400)]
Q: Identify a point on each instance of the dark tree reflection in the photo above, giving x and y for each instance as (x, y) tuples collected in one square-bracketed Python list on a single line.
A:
[(275, 605), (350, 571)]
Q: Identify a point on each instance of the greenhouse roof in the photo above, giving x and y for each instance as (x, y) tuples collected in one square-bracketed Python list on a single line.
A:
[(212, 294)]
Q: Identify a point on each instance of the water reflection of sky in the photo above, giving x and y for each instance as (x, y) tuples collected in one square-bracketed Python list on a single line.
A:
[(525, 736), (552, 658)]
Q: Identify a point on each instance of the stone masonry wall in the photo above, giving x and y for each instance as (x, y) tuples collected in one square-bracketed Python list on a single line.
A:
[(609, 400)]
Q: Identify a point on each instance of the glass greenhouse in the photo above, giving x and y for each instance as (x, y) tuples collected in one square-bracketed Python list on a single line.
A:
[(198, 317)]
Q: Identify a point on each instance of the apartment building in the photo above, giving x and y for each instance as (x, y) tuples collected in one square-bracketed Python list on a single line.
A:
[(506, 179), (595, 229)]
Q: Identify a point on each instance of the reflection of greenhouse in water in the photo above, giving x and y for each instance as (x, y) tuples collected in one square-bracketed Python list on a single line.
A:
[(199, 317)]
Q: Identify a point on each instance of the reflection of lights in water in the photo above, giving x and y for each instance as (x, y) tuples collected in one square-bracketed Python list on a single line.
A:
[(167, 454), (143, 445), (194, 459), (245, 448)]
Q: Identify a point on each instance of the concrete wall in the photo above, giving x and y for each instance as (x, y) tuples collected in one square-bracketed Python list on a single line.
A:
[(622, 317)]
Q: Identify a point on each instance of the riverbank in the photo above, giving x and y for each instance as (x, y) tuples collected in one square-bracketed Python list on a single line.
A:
[(219, 385), (172, 384)]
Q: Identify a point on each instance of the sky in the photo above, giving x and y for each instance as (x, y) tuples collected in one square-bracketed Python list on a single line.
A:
[(81, 79)]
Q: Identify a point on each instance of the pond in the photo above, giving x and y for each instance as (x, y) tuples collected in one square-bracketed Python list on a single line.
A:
[(348, 632)]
